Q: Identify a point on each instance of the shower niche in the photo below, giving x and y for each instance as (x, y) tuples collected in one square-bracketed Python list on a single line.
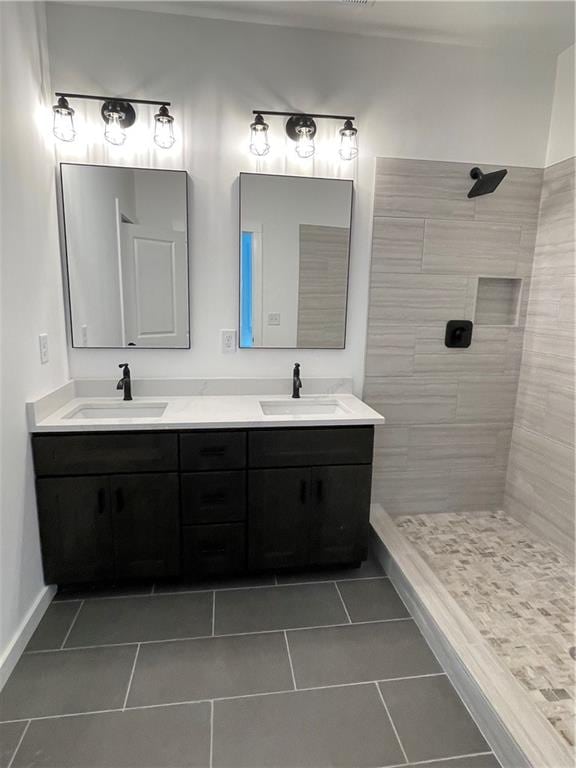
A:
[(498, 301)]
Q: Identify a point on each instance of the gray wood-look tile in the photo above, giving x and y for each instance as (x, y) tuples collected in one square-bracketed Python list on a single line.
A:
[(322, 286), (488, 352), (54, 626), (390, 349), (257, 610), (216, 667), (397, 245), (410, 400), (358, 653), (418, 298), (431, 720), (330, 728), (471, 248), (163, 737), (497, 301), (10, 735), (484, 398), (516, 200), (372, 600), (66, 682), (138, 619)]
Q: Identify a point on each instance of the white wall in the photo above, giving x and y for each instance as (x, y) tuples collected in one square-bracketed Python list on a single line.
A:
[(561, 139), (411, 99), (31, 302)]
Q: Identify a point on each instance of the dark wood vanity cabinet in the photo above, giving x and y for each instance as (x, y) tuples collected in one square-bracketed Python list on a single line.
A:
[(159, 505)]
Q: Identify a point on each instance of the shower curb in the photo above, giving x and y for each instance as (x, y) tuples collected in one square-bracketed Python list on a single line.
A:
[(518, 733)]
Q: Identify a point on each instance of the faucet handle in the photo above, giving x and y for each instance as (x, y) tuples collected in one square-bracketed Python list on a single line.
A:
[(123, 365)]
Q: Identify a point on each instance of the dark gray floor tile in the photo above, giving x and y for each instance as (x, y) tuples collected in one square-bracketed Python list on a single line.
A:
[(210, 668), (430, 719), (54, 625), (268, 608), (370, 568), (371, 600), (85, 592), (63, 682), (474, 761), (332, 727), (164, 737), (10, 735), (138, 619), (358, 653), (199, 585)]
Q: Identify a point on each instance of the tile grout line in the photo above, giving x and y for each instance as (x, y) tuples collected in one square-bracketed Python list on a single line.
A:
[(290, 660), (435, 760), (380, 694), (71, 625), (223, 698), (156, 593), (131, 678), (213, 611), (211, 757), (342, 601), (226, 634), (19, 744)]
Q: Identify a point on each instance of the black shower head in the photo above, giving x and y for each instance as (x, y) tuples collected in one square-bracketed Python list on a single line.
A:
[(485, 182)]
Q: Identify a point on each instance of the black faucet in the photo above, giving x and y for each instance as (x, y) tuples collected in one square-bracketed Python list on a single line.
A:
[(125, 382), (296, 381)]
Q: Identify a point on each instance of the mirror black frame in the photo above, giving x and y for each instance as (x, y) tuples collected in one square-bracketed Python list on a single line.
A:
[(65, 255)]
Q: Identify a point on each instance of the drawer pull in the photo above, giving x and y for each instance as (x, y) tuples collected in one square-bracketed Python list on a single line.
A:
[(214, 450)]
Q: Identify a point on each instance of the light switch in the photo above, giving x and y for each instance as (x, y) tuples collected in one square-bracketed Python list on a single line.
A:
[(43, 339), (273, 318), (228, 338)]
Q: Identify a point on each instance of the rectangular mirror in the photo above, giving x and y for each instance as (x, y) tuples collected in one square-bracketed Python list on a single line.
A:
[(294, 255), (126, 240)]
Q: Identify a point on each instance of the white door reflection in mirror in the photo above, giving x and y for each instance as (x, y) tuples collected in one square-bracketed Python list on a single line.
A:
[(126, 236)]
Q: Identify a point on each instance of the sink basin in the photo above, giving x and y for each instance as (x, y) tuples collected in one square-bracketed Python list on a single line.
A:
[(302, 407), (118, 411)]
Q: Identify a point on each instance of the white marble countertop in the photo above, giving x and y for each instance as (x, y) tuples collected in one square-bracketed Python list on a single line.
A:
[(203, 412)]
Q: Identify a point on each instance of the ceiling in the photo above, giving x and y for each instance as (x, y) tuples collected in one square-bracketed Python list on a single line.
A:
[(547, 25)]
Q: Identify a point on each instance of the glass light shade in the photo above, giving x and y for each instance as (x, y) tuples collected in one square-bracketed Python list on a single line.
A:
[(259, 137), (63, 127), (164, 129), (305, 142), (114, 133), (348, 141)]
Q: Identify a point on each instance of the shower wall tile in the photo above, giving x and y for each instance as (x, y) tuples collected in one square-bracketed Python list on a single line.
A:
[(540, 479), (449, 412), (471, 248)]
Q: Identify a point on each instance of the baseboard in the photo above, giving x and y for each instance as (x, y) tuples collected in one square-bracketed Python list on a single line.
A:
[(517, 732), (15, 649)]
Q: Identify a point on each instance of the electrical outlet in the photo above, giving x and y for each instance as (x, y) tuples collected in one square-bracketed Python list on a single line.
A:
[(273, 318), (228, 339), (43, 339)]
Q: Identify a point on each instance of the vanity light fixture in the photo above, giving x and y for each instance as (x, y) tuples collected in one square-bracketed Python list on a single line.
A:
[(63, 127), (348, 143), (118, 115), (259, 137), (301, 128)]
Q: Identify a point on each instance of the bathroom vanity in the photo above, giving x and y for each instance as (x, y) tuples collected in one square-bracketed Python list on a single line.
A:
[(148, 498)]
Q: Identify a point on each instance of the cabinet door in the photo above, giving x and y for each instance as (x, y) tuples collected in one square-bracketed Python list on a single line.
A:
[(146, 523), (75, 529), (341, 512), (278, 518)]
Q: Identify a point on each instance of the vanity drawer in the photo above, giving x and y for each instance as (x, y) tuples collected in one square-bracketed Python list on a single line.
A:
[(310, 447), (213, 549), (95, 453), (213, 497), (212, 450)]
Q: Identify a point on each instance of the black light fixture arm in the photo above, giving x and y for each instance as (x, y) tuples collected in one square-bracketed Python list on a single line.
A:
[(300, 114), (156, 102)]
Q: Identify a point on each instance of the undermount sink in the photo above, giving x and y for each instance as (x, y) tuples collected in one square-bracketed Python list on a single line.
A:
[(302, 407), (123, 410)]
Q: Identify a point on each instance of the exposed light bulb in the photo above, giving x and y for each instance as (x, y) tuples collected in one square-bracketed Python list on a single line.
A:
[(259, 137), (305, 141), (114, 133), (348, 141), (63, 127), (163, 128)]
